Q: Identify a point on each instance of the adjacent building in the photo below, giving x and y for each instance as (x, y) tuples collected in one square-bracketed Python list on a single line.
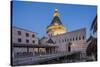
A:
[(26, 43), (20, 39), (23, 36)]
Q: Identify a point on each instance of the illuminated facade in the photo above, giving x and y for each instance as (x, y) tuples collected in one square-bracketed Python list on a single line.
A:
[(69, 42), (56, 27), (64, 39)]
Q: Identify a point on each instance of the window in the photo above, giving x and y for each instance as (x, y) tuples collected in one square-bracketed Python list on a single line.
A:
[(69, 48), (33, 35), (27, 34), (83, 37), (70, 39), (79, 38), (65, 40), (62, 40), (19, 40), (19, 32), (76, 38), (33, 41), (27, 41), (73, 39)]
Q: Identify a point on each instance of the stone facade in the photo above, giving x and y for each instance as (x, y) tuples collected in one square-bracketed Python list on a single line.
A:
[(67, 42), (70, 41)]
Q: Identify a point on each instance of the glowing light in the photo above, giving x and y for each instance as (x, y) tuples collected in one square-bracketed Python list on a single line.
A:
[(56, 9)]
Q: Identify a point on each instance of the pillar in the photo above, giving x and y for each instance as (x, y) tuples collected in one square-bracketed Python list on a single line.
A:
[(27, 50), (38, 51)]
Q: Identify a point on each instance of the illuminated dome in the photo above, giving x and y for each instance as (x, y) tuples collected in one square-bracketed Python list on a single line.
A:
[(56, 27)]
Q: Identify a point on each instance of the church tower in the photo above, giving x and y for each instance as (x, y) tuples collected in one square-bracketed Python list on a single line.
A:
[(56, 27)]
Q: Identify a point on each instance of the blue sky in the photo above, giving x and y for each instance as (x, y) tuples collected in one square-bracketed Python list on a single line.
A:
[(36, 16)]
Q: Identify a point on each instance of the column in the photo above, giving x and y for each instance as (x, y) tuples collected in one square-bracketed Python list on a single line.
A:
[(54, 49), (27, 50), (49, 50), (33, 52), (38, 51)]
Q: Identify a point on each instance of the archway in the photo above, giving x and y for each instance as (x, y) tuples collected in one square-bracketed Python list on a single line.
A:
[(69, 47)]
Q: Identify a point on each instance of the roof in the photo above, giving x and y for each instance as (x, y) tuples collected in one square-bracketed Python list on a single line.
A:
[(78, 30), (55, 18), (50, 41), (24, 29)]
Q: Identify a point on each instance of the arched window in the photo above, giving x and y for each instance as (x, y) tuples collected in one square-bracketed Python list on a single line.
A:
[(69, 47), (65, 40), (83, 37), (76, 38), (73, 38), (79, 38), (70, 39)]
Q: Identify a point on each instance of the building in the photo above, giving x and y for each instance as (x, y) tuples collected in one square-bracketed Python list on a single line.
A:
[(26, 43), (65, 41), (58, 42), (58, 39), (23, 36), (70, 41)]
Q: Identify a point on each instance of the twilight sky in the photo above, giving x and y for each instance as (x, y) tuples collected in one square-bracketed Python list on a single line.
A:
[(36, 16)]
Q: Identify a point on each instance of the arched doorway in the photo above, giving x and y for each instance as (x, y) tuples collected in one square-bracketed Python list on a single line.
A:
[(69, 47)]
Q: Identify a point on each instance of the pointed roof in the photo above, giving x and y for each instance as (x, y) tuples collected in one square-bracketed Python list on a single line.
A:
[(50, 41), (56, 18)]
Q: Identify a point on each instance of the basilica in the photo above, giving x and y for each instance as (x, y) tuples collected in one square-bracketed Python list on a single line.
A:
[(58, 40), (64, 40)]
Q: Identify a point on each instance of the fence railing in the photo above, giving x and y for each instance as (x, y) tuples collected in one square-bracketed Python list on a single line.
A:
[(39, 58)]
